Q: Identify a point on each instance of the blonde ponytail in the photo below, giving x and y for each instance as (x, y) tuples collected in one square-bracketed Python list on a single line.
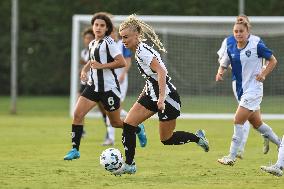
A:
[(143, 29)]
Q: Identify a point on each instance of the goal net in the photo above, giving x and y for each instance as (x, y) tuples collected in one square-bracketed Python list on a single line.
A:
[(192, 43)]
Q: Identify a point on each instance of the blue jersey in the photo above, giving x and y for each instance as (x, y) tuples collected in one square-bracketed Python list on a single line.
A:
[(246, 63)]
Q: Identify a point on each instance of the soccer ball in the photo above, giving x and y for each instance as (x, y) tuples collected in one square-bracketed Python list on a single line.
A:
[(111, 159)]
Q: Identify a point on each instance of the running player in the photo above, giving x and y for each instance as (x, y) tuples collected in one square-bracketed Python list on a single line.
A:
[(227, 42), (103, 85), (245, 57), (159, 94)]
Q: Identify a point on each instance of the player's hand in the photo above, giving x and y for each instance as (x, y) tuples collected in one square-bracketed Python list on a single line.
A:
[(83, 76), (96, 65), (260, 77), (161, 104), (219, 77)]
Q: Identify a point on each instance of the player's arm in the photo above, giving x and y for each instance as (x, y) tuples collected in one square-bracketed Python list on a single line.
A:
[(161, 73), (220, 73), (267, 69), (84, 71), (118, 62), (224, 62)]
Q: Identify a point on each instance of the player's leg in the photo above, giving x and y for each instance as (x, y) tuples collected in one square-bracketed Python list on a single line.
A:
[(111, 103), (167, 126), (276, 169), (246, 128), (83, 106), (241, 117), (263, 128), (169, 137), (137, 114)]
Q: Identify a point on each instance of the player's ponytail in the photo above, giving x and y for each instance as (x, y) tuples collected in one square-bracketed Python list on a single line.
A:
[(143, 29), (243, 19)]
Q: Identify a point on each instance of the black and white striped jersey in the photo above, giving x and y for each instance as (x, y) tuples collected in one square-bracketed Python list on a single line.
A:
[(144, 56), (103, 51)]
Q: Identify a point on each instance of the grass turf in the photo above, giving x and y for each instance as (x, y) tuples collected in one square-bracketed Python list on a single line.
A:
[(34, 142)]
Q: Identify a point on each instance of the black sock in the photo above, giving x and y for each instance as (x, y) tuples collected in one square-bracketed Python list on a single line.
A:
[(138, 129), (77, 131), (181, 137), (104, 118), (129, 142)]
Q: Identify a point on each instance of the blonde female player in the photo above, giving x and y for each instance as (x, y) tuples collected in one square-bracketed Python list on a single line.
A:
[(246, 127), (245, 57), (159, 94), (102, 86)]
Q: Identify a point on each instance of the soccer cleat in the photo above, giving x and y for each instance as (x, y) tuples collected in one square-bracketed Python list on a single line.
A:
[(203, 142), (108, 142), (273, 169), (72, 154), (227, 160), (265, 145), (126, 169), (142, 135)]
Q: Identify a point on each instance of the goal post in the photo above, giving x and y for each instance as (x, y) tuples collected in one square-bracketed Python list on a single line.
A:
[(192, 43)]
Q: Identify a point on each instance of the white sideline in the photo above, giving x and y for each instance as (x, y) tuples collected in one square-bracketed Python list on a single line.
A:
[(205, 116)]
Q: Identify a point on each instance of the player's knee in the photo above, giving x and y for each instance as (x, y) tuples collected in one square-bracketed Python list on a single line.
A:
[(256, 123), (78, 117), (116, 123)]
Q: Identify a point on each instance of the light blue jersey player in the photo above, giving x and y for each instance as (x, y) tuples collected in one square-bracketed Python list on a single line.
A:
[(245, 56), (246, 127)]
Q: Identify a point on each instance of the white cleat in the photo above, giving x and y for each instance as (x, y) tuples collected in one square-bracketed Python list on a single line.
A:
[(265, 145), (273, 169), (126, 169), (227, 160)]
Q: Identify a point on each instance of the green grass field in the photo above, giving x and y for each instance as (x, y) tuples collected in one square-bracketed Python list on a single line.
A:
[(34, 142)]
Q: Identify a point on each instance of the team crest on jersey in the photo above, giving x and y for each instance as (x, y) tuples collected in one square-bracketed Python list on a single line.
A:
[(248, 53)]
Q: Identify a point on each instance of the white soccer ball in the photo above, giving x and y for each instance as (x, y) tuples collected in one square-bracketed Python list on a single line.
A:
[(111, 159)]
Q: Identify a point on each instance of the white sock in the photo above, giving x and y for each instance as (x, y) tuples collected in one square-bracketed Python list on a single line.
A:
[(246, 128), (280, 161), (236, 140), (110, 130), (267, 131)]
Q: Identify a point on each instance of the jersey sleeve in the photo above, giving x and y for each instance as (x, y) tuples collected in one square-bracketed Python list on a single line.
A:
[(263, 51), (223, 48), (113, 49), (126, 52), (223, 57)]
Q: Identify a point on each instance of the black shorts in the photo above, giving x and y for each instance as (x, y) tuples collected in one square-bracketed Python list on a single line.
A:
[(109, 99), (82, 87), (172, 106)]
